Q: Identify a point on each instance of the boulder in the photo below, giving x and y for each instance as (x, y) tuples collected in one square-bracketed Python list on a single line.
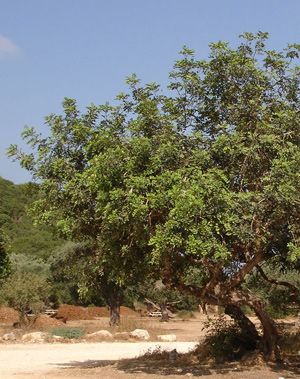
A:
[(167, 337), (103, 334), (140, 334), (9, 337), (58, 339), (173, 355), (122, 336), (35, 337)]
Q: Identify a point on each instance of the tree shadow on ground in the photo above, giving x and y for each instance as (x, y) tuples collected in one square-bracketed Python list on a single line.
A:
[(181, 367)]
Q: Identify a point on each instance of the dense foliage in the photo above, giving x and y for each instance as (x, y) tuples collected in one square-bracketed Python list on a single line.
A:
[(22, 235), (205, 176), (5, 266), (27, 288)]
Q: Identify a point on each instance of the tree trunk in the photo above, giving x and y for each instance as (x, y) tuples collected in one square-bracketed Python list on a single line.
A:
[(164, 313), (114, 314), (202, 307), (269, 341), (226, 295), (298, 321), (114, 304), (244, 323)]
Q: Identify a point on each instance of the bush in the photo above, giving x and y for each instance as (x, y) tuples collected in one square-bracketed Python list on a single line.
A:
[(67, 332), (226, 341), (25, 292), (289, 343), (277, 312)]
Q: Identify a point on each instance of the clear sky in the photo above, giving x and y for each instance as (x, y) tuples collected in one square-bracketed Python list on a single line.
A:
[(84, 49)]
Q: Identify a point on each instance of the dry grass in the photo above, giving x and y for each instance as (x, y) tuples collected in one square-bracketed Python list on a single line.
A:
[(129, 324)]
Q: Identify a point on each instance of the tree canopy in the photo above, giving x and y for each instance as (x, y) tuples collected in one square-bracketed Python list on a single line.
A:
[(203, 175)]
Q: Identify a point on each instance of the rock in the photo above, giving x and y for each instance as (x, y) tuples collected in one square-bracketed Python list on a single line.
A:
[(122, 336), (9, 337), (104, 334), (173, 355), (57, 338), (167, 337), (140, 334), (35, 337)]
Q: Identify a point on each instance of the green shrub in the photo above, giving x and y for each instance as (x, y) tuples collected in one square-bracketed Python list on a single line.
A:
[(226, 341), (67, 332), (280, 312)]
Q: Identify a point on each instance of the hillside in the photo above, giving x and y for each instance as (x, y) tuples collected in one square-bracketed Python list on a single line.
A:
[(18, 227)]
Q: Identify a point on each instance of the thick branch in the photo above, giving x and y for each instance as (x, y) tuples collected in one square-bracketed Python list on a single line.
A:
[(295, 293), (153, 304), (237, 278)]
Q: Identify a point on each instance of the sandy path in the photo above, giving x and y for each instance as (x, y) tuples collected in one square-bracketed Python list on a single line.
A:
[(36, 360)]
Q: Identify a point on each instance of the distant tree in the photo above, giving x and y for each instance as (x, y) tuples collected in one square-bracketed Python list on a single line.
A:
[(27, 288), (205, 176), (77, 262), (22, 235), (154, 294), (5, 265)]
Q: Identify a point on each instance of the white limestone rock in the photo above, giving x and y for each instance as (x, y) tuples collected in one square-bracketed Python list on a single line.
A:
[(35, 337), (167, 337), (123, 336), (9, 337), (140, 334), (102, 334)]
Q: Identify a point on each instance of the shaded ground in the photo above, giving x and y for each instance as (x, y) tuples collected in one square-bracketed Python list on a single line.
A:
[(134, 369)]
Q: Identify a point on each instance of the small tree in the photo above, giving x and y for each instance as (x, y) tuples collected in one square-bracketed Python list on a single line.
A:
[(27, 288), (77, 262)]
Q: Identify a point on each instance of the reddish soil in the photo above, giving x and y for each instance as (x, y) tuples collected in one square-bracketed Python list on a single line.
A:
[(44, 321), (72, 312), (64, 312), (8, 315)]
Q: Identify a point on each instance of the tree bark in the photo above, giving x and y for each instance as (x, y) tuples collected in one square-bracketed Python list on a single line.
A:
[(164, 313), (202, 307), (244, 323), (114, 314), (269, 341), (114, 304)]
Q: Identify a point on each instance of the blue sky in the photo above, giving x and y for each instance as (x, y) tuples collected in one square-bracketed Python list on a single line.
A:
[(84, 49)]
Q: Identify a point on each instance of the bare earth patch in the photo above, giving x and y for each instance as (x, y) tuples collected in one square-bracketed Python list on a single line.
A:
[(102, 360)]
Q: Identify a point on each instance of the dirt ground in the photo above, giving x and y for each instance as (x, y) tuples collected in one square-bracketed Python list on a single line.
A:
[(142, 368)]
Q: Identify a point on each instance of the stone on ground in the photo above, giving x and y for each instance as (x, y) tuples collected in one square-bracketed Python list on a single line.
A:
[(35, 337), (140, 334), (167, 337)]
